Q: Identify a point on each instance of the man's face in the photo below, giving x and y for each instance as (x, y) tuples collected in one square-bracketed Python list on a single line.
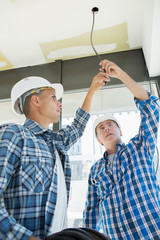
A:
[(49, 106), (108, 133)]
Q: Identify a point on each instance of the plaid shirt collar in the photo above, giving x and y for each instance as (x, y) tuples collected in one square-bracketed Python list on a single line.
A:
[(35, 127), (119, 147)]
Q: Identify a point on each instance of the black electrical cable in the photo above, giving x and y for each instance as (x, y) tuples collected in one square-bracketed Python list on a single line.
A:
[(95, 10)]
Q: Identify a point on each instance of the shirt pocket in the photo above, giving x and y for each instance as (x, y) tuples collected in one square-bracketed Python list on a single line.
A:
[(36, 174), (104, 183)]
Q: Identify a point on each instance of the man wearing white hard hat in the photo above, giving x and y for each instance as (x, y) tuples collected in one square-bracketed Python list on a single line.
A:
[(34, 165), (123, 193)]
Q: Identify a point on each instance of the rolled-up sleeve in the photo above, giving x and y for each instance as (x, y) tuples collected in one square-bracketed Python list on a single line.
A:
[(148, 131), (69, 135)]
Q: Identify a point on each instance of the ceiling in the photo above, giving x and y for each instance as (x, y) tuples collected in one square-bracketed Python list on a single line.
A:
[(34, 32)]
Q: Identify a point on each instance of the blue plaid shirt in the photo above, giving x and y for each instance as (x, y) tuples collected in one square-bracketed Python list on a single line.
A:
[(28, 176), (124, 196)]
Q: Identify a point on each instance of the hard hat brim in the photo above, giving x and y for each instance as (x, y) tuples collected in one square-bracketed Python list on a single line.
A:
[(102, 119), (20, 88)]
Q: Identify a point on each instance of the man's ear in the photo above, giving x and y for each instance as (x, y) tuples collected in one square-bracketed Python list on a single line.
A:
[(35, 100)]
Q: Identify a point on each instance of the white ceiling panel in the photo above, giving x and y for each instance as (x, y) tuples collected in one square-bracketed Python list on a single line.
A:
[(41, 31)]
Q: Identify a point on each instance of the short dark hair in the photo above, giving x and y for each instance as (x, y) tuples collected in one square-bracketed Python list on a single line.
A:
[(26, 107)]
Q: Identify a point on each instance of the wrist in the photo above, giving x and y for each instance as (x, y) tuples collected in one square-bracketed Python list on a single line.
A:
[(122, 76), (91, 92)]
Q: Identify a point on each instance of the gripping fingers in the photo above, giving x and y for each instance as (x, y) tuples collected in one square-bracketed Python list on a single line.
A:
[(107, 66), (106, 79)]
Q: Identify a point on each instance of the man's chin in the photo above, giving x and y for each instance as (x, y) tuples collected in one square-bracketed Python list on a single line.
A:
[(109, 136)]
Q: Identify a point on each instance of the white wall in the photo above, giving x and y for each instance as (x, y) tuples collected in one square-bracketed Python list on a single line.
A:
[(151, 36)]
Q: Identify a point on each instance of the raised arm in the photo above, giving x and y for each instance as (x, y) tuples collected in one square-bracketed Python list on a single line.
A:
[(98, 81), (114, 71)]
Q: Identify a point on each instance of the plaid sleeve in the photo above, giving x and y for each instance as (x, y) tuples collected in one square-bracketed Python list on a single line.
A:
[(91, 211), (16, 232), (9, 155), (149, 111), (69, 135)]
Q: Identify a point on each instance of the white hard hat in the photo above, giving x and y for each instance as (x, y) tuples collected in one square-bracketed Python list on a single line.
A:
[(29, 83), (102, 119)]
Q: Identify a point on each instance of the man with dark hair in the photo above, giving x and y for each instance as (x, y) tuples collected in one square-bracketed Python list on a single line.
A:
[(34, 165)]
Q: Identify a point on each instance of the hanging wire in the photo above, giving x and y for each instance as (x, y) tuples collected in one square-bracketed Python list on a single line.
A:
[(94, 10)]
